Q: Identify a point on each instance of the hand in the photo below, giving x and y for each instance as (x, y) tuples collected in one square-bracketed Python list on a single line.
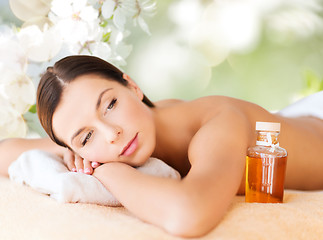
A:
[(75, 163)]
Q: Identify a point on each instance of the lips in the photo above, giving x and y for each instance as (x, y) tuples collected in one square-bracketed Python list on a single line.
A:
[(131, 147)]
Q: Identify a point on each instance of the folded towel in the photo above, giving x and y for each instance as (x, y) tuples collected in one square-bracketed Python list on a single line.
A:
[(48, 174), (308, 106)]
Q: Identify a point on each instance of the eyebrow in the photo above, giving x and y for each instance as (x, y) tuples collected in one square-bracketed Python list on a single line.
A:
[(98, 103), (77, 133)]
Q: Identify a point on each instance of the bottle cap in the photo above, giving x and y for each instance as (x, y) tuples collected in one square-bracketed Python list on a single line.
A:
[(268, 126)]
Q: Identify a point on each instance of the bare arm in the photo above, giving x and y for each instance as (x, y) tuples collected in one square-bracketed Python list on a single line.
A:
[(10, 149), (195, 205)]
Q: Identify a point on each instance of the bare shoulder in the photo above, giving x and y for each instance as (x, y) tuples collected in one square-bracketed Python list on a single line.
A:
[(168, 102), (230, 128), (225, 123), (206, 101), (195, 113), (211, 107)]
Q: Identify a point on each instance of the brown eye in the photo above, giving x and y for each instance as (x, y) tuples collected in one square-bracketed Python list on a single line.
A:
[(112, 103), (87, 138)]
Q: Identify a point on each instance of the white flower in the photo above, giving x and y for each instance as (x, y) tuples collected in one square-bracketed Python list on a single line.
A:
[(93, 45), (28, 10), (41, 22), (99, 49), (13, 63), (117, 9), (40, 46), (123, 50), (107, 8), (21, 93), (17, 88), (120, 50), (144, 8), (11, 52), (72, 9), (75, 20), (12, 123)]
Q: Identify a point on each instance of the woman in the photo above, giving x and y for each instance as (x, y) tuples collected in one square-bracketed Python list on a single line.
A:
[(102, 116)]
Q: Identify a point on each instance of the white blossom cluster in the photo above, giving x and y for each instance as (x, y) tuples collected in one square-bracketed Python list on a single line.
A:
[(17, 92), (54, 28)]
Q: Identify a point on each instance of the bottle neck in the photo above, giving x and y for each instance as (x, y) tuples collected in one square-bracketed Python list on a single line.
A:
[(267, 138)]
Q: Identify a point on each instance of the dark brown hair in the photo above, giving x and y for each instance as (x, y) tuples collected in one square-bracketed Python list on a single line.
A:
[(65, 71)]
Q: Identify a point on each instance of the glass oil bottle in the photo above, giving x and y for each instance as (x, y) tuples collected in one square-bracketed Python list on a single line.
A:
[(266, 166)]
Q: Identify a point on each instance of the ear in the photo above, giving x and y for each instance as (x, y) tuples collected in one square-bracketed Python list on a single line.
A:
[(133, 86)]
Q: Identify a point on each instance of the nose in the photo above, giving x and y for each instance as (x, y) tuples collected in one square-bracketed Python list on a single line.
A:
[(115, 137), (111, 132)]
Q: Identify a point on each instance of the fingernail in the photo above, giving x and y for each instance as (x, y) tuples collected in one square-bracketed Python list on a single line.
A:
[(87, 170), (81, 170), (73, 169), (94, 164)]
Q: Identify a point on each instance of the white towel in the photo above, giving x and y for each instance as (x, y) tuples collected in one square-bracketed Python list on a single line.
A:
[(308, 106), (48, 174)]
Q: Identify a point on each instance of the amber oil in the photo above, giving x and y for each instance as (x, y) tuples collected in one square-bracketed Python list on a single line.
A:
[(266, 166)]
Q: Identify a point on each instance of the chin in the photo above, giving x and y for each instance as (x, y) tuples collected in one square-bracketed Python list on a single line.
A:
[(140, 162), (142, 159)]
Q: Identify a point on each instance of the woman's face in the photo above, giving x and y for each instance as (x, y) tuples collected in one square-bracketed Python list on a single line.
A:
[(104, 121)]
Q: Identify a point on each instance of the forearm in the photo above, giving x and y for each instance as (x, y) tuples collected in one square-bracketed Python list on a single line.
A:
[(174, 205), (134, 189), (10, 150)]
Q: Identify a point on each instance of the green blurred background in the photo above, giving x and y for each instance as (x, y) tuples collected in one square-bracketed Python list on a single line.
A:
[(280, 65), (279, 69)]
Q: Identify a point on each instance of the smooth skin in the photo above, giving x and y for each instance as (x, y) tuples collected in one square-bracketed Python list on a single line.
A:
[(205, 140)]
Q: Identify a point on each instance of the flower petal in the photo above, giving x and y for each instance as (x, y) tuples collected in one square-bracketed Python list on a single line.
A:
[(25, 10), (12, 55), (12, 123), (108, 8), (40, 46), (89, 14), (119, 19), (143, 25), (18, 90)]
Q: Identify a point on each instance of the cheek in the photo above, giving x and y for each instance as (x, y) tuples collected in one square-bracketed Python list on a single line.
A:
[(132, 111), (96, 153), (137, 113)]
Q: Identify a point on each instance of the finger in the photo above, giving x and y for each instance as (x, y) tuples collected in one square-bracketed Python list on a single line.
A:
[(79, 164), (95, 164), (87, 167), (68, 158)]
